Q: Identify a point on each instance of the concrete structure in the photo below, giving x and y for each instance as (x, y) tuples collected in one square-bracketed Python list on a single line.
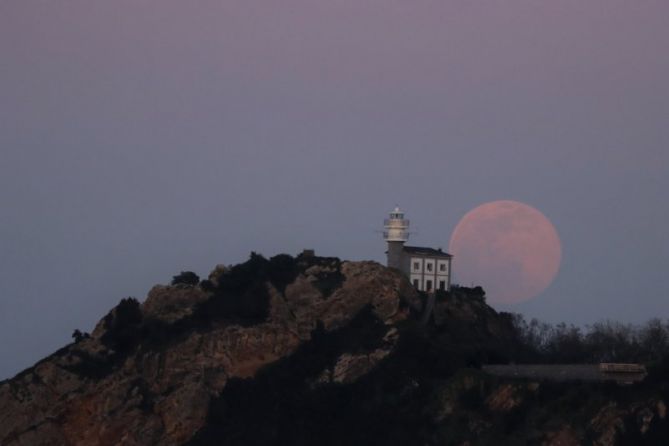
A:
[(428, 269), (623, 374)]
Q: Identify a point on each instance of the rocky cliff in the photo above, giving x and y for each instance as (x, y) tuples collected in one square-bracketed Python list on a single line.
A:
[(307, 351), (157, 389)]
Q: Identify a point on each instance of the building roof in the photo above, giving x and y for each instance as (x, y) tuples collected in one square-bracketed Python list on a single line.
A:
[(426, 251)]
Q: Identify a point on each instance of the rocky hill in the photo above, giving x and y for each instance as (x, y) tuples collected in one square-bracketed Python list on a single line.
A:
[(309, 350)]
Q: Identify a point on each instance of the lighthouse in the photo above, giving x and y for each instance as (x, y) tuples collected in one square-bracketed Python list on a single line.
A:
[(396, 233), (428, 269)]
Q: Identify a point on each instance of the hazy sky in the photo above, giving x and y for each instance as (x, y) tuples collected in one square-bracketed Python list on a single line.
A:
[(142, 138)]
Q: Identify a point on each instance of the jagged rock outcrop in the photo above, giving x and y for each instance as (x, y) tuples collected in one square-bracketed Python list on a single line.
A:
[(349, 367), (172, 303), (160, 394)]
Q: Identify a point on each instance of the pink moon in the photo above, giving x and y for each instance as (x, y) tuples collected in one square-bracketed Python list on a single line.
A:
[(509, 248)]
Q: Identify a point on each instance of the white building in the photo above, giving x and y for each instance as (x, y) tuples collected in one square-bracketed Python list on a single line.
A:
[(428, 269)]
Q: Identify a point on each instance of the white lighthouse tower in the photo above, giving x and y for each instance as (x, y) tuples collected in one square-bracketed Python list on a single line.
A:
[(428, 269), (396, 233)]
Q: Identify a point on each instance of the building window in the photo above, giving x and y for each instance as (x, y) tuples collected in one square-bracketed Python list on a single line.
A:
[(416, 283), (429, 267), (416, 266), (442, 285), (428, 285), (442, 267)]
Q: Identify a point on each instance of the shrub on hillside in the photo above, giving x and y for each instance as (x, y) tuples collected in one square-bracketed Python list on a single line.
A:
[(123, 326), (605, 341), (240, 293), (186, 278), (283, 270), (79, 336)]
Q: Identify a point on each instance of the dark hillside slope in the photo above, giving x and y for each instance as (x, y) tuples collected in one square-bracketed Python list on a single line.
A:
[(310, 350)]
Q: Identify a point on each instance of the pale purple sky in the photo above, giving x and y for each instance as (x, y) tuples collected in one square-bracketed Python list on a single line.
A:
[(142, 138)]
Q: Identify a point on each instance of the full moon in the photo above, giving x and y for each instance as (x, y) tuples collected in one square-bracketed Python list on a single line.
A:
[(509, 248)]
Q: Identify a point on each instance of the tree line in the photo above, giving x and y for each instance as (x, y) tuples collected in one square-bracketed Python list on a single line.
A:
[(605, 341)]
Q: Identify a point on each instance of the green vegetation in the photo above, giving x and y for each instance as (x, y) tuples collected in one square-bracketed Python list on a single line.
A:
[(186, 278), (605, 341), (241, 295), (79, 336), (123, 326)]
